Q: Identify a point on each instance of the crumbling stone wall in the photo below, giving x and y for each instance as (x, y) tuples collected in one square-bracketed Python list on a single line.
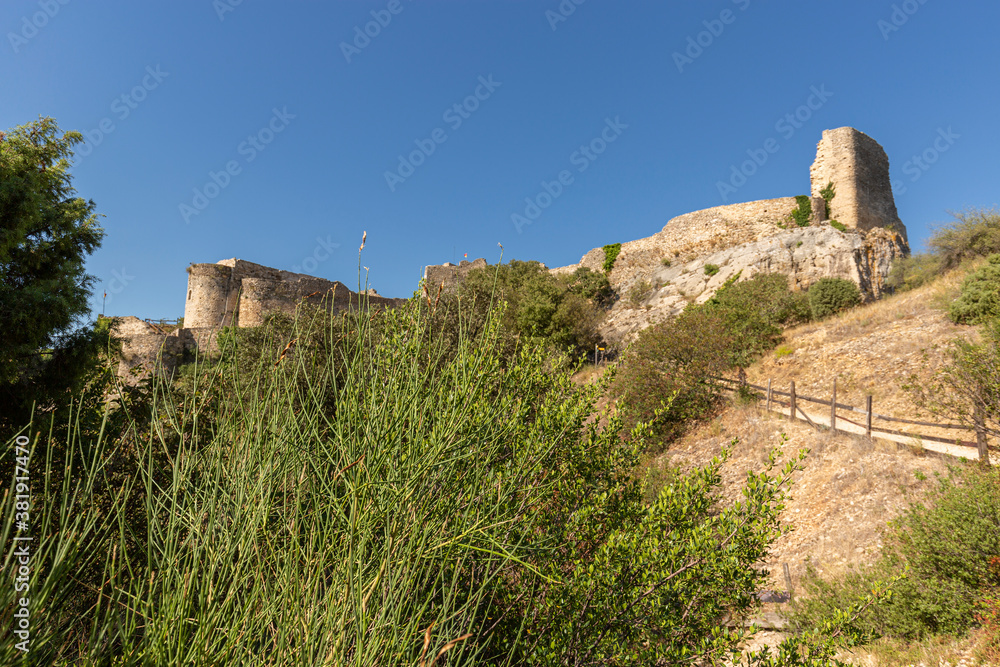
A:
[(147, 348), (230, 292), (449, 274), (238, 292), (858, 167)]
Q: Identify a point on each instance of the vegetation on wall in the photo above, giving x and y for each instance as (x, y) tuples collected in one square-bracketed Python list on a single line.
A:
[(803, 211), (610, 255)]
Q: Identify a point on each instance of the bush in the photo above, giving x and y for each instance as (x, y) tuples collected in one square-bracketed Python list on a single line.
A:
[(445, 500), (832, 295), (979, 300), (839, 226), (680, 357), (975, 233), (610, 255), (945, 544), (564, 311), (911, 272), (711, 269), (639, 291), (670, 368)]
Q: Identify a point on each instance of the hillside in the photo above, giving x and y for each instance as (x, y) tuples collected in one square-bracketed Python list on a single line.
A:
[(850, 486)]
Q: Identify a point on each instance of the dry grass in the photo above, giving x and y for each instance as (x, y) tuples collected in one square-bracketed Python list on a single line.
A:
[(841, 501)]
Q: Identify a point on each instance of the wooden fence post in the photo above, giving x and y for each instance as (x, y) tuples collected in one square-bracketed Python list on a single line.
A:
[(768, 394), (868, 418), (981, 443), (788, 581), (791, 401), (833, 407)]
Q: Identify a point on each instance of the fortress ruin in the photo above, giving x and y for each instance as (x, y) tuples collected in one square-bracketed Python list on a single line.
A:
[(670, 266), (232, 292), (859, 169)]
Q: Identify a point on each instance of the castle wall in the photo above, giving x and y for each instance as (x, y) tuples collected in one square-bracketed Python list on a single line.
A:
[(450, 274), (858, 167), (209, 302)]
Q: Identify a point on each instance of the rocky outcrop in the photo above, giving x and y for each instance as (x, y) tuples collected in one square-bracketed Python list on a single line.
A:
[(805, 254), (695, 253)]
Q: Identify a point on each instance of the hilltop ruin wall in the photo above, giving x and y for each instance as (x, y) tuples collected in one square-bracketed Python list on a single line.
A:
[(858, 167)]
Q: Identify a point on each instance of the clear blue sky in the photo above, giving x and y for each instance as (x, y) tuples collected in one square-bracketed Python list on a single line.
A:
[(188, 88)]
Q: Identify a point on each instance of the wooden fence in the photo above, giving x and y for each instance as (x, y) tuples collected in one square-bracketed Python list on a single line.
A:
[(868, 415)]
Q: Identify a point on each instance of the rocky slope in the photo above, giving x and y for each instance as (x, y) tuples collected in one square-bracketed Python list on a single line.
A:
[(694, 255)]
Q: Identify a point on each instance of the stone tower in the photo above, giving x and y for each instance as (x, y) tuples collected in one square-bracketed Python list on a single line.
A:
[(859, 169)]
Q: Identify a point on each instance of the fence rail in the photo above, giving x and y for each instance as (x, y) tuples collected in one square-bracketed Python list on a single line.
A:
[(769, 393)]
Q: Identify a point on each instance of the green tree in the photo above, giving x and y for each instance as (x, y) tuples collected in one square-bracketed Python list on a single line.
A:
[(564, 310), (47, 232)]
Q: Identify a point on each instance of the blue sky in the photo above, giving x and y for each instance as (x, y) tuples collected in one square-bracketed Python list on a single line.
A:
[(266, 130)]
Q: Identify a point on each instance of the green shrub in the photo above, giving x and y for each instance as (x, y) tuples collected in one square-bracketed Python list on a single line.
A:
[(680, 356), (448, 499), (564, 311), (802, 212), (832, 295), (665, 261), (839, 226), (944, 544), (610, 255), (974, 233), (979, 300), (911, 272), (639, 291), (711, 269)]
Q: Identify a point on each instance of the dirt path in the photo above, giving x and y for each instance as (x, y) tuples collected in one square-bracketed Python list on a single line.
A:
[(957, 451)]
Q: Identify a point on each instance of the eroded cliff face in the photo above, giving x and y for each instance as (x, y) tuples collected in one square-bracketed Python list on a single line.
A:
[(652, 291)]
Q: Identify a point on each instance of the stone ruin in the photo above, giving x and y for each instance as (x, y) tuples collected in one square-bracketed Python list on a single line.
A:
[(742, 239), (695, 253), (232, 292), (859, 170), (448, 275)]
